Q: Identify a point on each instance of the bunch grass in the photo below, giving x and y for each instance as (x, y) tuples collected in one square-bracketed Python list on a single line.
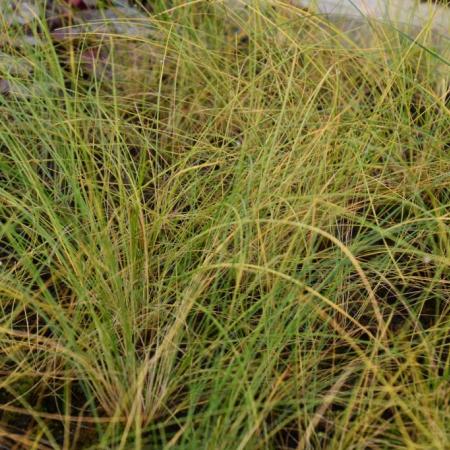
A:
[(232, 233)]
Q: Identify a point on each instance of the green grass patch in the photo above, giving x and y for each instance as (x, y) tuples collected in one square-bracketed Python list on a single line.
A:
[(231, 233)]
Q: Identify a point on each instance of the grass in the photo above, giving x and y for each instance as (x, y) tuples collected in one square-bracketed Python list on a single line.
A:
[(232, 233)]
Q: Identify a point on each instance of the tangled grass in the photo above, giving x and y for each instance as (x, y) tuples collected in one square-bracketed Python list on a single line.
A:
[(230, 234)]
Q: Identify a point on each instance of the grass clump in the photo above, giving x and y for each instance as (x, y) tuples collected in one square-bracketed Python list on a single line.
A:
[(231, 233)]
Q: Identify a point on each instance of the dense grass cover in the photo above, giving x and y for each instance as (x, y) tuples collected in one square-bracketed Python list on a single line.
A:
[(231, 233)]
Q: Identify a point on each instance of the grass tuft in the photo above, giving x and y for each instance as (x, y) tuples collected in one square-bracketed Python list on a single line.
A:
[(231, 232)]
